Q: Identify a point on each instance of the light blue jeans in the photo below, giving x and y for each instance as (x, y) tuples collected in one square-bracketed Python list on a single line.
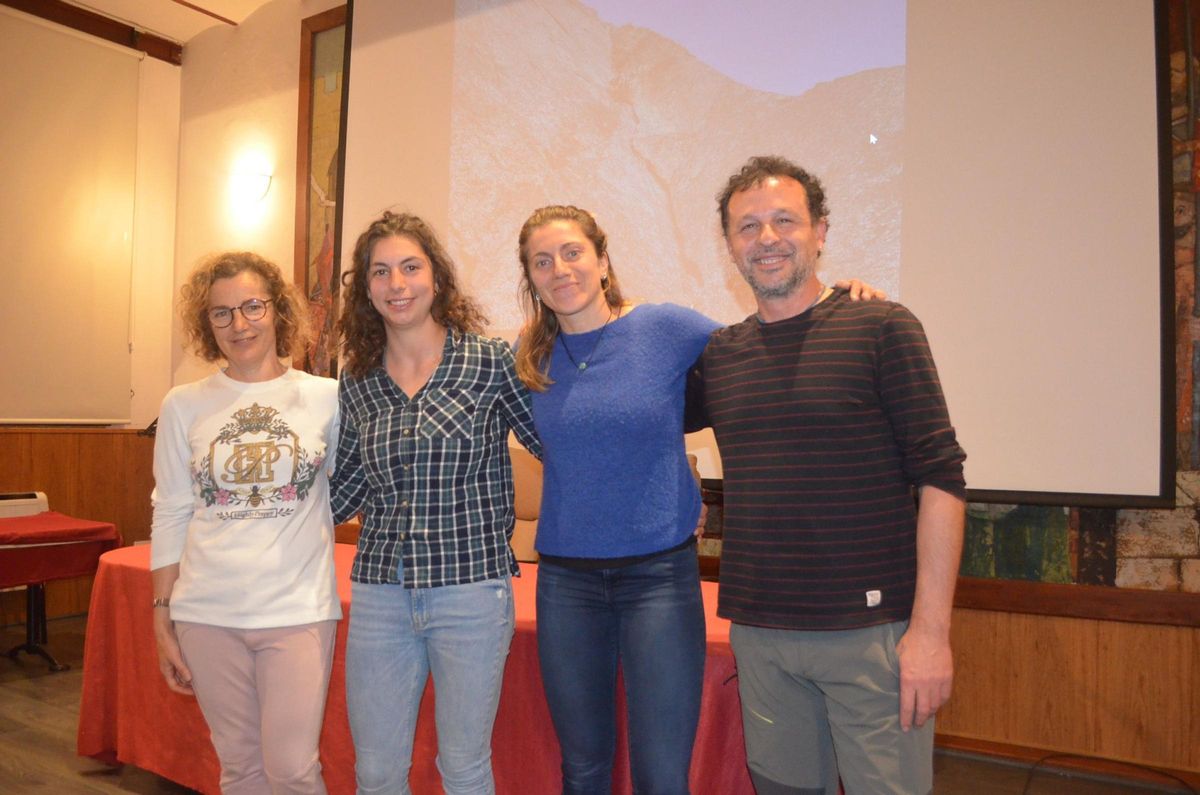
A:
[(398, 636)]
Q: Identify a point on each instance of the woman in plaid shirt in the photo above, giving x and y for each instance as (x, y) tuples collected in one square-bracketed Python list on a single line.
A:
[(426, 406)]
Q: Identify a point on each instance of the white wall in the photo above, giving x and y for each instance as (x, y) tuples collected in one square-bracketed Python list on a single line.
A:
[(153, 237), (239, 99)]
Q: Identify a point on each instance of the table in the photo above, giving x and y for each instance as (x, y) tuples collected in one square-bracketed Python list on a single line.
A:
[(127, 714), (41, 547)]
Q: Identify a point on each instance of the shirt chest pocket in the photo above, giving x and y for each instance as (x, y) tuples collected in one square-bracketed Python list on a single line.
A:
[(447, 414)]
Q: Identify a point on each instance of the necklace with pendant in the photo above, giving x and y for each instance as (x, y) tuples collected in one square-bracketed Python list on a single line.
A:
[(583, 365)]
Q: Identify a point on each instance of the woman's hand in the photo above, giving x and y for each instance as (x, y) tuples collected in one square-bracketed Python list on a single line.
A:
[(861, 291), (699, 532), (170, 658)]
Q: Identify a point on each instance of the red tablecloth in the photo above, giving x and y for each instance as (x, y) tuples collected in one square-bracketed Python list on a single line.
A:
[(127, 713), (51, 546)]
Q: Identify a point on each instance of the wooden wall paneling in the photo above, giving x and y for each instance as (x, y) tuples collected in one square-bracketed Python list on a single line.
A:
[(136, 487), (1109, 689), (66, 597), (1146, 680), (99, 477), (1051, 675), (16, 450), (54, 466), (1193, 727), (61, 599), (81, 588), (978, 676), (12, 608)]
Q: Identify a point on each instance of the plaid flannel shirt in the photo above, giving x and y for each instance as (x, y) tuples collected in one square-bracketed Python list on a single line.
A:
[(431, 473)]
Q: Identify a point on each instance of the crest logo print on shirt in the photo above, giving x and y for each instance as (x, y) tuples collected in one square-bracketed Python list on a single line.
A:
[(264, 471)]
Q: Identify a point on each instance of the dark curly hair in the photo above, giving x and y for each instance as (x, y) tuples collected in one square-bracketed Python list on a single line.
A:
[(541, 325), (361, 328), (288, 307), (758, 169)]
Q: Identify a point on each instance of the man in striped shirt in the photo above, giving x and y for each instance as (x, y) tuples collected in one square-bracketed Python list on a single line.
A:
[(830, 419)]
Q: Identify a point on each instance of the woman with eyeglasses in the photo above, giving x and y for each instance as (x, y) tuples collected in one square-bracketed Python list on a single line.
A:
[(245, 602)]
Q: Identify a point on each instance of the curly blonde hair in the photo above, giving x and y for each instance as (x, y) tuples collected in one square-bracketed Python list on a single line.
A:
[(363, 337), (289, 307), (541, 325)]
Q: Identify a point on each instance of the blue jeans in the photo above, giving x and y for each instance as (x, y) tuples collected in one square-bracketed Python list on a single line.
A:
[(397, 637), (650, 617)]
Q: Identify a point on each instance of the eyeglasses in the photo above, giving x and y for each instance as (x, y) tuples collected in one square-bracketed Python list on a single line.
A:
[(253, 309)]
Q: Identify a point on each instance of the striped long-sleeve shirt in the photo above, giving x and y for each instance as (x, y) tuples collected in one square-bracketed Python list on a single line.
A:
[(826, 423)]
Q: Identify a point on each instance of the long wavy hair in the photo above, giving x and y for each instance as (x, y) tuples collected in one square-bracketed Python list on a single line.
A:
[(541, 324), (360, 327), (288, 308)]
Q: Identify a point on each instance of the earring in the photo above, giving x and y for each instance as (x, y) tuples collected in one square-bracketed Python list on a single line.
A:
[(604, 281)]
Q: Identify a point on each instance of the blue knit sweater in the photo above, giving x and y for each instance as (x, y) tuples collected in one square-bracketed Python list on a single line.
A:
[(616, 480)]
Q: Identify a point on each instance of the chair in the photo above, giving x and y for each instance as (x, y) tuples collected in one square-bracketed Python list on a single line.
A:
[(527, 488)]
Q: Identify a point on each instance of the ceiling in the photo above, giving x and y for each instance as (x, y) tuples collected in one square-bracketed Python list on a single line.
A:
[(177, 20)]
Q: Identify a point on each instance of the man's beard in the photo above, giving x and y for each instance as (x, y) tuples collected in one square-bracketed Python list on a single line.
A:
[(783, 289)]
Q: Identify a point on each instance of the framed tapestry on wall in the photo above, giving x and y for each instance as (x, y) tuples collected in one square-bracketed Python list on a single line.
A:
[(319, 141)]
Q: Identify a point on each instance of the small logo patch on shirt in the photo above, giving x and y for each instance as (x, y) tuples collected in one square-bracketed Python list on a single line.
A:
[(874, 598)]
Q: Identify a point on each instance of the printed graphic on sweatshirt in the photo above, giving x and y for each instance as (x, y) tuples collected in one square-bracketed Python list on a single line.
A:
[(257, 467)]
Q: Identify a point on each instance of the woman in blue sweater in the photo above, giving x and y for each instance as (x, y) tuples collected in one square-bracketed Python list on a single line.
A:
[(618, 578)]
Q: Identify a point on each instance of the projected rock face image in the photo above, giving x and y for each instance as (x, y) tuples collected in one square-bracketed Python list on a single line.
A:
[(553, 105)]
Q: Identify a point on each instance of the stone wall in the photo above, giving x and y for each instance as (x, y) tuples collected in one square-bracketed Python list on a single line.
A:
[(1160, 550)]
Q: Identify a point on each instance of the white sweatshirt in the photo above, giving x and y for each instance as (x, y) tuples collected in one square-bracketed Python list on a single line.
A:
[(241, 500)]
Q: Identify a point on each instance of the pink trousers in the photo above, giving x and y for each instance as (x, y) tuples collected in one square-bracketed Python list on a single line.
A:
[(262, 692)]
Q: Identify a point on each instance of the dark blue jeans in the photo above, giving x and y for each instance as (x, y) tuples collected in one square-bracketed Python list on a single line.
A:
[(650, 618)]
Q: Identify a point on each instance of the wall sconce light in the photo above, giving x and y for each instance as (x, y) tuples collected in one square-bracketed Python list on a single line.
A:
[(249, 181), (249, 187)]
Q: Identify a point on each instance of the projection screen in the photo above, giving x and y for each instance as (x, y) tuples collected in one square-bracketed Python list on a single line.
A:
[(997, 166)]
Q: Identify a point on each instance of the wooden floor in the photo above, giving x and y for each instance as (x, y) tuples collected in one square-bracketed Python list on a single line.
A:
[(39, 711)]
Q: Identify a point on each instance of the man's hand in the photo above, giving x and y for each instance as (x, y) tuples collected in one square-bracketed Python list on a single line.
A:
[(926, 675), (861, 291)]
